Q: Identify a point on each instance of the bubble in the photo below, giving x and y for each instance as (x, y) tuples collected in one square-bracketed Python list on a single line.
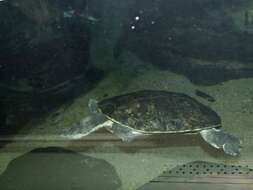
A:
[(137, 18)]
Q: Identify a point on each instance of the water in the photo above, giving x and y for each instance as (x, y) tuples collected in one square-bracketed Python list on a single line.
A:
[(56, 55)]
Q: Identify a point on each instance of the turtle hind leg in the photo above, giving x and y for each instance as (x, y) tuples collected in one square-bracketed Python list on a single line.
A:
[(220, 139)]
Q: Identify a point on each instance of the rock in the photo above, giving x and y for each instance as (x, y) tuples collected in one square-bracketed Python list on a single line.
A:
[(194, 38), (44, 55)]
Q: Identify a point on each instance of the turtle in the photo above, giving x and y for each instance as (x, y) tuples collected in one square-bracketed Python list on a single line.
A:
[(149, 112)]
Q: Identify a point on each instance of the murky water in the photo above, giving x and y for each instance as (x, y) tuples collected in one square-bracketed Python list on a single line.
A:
[(56, 56)]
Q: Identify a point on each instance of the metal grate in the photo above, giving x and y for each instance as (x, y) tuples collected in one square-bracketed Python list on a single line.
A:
[(203, 175), (202, 168)]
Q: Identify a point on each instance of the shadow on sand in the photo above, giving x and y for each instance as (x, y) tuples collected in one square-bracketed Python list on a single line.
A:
[(58, 168)]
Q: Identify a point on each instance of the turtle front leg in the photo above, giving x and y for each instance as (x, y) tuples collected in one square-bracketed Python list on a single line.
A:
[(220, 139), (126, 134)]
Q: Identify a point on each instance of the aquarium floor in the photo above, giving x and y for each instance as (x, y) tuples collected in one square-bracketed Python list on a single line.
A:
[(143, 159)]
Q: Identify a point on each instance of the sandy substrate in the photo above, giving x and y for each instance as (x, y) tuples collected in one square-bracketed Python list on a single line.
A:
[(136, 163)]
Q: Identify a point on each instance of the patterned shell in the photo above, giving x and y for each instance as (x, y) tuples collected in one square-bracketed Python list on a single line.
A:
[(159, 111)]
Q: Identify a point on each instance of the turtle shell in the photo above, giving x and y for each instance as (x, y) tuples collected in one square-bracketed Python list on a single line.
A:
[(159, 111)]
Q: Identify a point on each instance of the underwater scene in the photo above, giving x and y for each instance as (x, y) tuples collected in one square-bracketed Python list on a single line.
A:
[(126, 94)]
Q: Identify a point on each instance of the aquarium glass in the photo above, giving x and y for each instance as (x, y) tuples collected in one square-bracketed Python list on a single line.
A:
[(109, 94)]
